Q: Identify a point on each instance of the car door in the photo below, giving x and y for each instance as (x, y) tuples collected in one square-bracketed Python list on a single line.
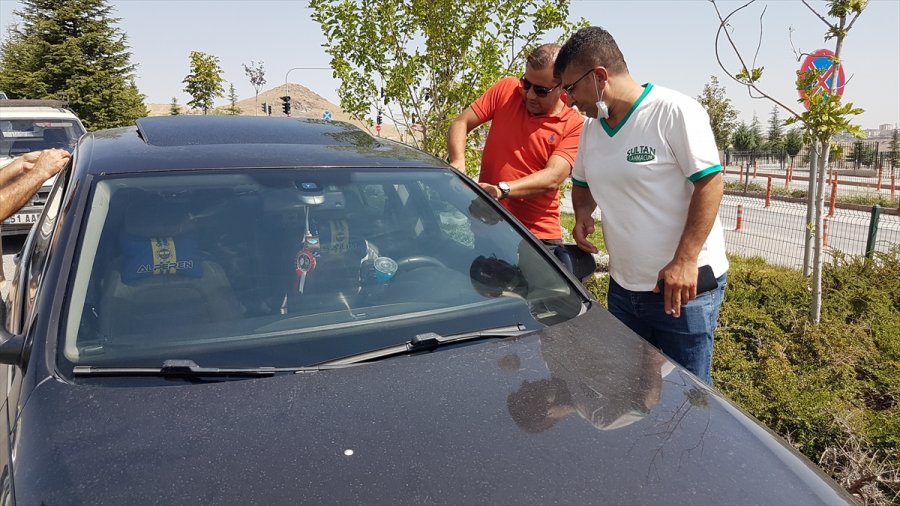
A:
[(23, 292)]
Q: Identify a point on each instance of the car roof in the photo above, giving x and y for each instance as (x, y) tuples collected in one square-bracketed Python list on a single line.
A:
[(166, 143), (35, 112)]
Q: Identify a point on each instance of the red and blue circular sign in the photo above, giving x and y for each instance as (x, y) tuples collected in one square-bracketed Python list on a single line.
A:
[(822, 61)]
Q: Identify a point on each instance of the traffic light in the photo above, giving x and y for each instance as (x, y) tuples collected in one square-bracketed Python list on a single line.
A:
[(265, 107), (378, 118), (286, 105)]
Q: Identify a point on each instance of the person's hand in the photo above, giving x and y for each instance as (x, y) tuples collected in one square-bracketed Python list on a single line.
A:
[(22, 163), (31, 157), (51, 161), (584, 228), (459, 165), (679, 285), (492, 190)]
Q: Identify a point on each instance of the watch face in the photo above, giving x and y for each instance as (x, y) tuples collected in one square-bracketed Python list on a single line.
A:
[(504, 186)]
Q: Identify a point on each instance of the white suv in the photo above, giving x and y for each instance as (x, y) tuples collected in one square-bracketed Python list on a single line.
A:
[(31, 125)]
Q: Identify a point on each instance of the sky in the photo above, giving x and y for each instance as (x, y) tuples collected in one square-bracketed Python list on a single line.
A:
[(670, 43)]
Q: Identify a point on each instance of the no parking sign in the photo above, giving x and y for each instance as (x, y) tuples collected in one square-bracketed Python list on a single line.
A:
[(822, 61)]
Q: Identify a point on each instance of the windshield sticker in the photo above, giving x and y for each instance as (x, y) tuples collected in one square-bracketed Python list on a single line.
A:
[(20, 134)]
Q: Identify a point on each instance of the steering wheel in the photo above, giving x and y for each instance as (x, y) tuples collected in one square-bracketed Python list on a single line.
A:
[(416, 261)]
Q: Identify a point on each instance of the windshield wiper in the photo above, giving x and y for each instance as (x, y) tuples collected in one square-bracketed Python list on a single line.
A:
[(427, 342), (184, 368)]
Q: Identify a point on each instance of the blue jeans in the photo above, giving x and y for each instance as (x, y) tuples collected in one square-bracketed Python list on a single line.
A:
[(687, 340)]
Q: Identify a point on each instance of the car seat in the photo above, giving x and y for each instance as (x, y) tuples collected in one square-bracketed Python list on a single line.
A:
[(162, 279)]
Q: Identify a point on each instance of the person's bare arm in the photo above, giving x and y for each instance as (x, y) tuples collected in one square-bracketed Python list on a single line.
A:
[(17, 167), (547, 179), (15, 193), (583, 204), (456, 137), (680, 274)]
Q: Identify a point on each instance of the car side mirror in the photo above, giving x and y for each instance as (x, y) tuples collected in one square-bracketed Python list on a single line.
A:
[(11, 345), (579, 262)]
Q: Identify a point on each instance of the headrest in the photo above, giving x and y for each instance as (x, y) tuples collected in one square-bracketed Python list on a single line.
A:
[(160, 256), (337, 237)]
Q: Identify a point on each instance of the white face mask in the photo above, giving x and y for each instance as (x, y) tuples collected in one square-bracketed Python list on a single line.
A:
[(602, 108)]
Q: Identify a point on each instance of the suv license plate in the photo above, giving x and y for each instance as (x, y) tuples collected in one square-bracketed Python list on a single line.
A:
[(25, 218)]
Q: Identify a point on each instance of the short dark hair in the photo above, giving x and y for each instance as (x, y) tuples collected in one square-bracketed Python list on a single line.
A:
[(590, 47), (529, 405), (542, 56)]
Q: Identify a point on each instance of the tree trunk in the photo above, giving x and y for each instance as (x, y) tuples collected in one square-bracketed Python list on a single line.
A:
[(808, 232), (815, 309)]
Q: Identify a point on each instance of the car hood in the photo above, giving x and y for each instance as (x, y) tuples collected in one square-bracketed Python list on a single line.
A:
[(582, 412)]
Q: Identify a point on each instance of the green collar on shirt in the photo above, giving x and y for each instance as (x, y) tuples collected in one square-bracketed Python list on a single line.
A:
[(612, 131)]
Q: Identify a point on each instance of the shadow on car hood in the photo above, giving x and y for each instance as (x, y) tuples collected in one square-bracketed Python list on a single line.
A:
[(584, 412)]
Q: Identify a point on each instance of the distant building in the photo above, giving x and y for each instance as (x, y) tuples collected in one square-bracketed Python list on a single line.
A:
[(884, 131)]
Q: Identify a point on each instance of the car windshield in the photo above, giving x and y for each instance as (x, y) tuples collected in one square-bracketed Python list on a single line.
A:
[(20, 136), (287, 268)]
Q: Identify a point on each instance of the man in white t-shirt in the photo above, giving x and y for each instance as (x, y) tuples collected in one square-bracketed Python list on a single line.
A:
[(648, 158)]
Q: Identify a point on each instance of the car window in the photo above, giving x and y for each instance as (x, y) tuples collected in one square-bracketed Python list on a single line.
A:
[(42, 235), (19, 136), (288, 268)]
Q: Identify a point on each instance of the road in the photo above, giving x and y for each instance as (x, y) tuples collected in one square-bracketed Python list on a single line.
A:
[(776, 233), (11, 246)]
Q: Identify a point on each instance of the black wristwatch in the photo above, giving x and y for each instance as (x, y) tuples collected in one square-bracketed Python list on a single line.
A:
[(504, 189)]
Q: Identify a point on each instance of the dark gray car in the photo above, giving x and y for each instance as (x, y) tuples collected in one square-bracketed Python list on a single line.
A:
[(275, 311)]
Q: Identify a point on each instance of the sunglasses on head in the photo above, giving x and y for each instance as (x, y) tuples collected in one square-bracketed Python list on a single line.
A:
[(538, 90)]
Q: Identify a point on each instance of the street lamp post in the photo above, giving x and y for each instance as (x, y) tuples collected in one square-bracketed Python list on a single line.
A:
[(298, 68)]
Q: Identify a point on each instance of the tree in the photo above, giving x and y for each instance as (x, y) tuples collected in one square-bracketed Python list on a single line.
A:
[(825, 116), (257, 75), (759, 142), (895, 149), (744, 138), (431, 58), (863, 154), (722, 115), (72, 49), (204, 82), (232, 109), (775, 136), (793, 143), (174, 108)]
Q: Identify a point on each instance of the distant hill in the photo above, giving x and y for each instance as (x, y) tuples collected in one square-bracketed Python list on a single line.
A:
[(305, 103)]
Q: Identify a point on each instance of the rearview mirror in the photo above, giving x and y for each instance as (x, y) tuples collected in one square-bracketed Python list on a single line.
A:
[(11, 345), (579, 262)]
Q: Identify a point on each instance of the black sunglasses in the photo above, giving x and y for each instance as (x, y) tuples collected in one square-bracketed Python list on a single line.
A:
[(538, 90), (569, 88)]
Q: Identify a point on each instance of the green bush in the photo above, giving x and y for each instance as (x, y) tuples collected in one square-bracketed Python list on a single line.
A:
[(821, 386)]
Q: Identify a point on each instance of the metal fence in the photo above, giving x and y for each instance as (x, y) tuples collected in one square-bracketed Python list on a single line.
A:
[(760, 221), (873, 156)]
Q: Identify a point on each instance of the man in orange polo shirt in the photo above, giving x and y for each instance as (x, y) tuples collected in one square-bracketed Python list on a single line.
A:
[(530, 147)]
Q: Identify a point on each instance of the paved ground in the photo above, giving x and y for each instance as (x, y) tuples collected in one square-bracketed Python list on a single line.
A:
[(11, 246)]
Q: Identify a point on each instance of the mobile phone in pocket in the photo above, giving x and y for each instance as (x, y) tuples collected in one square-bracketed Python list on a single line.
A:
[(706, 280)]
